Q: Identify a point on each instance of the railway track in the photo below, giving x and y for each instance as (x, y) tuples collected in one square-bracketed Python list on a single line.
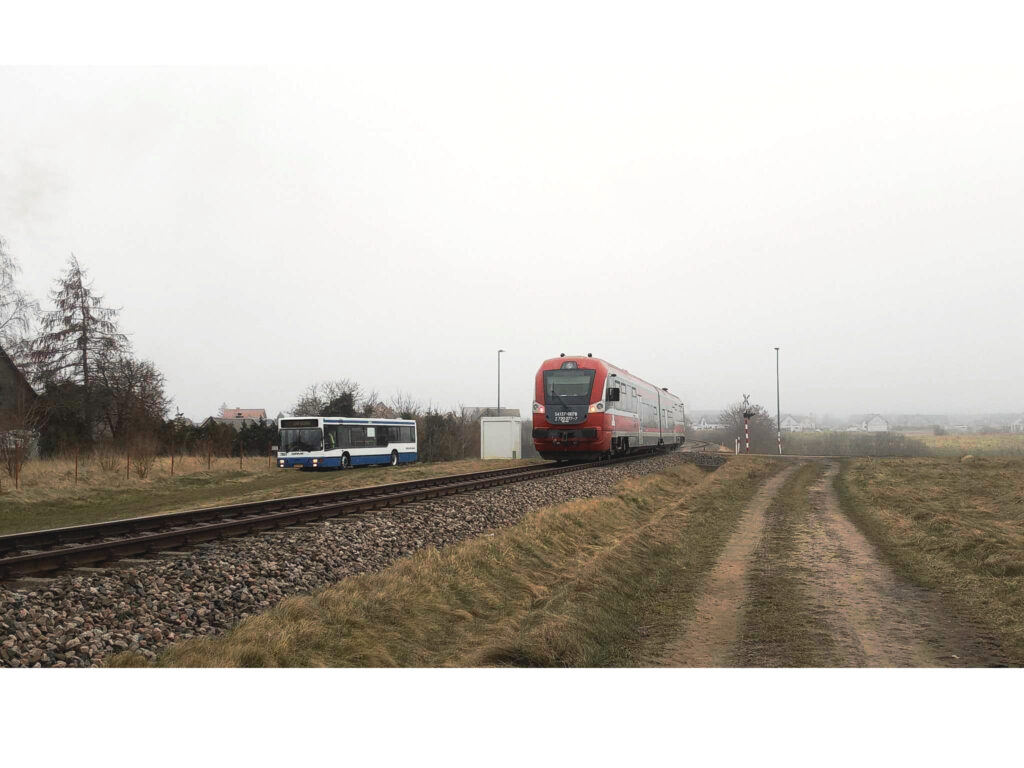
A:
[(41, 552)]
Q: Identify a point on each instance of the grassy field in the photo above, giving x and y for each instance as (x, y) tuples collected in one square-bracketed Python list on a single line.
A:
[(977, 445), (48, 496), (597, 582), (957, 526)]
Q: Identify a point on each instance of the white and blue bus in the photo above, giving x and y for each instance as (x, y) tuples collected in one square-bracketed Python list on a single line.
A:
[(315, 442)]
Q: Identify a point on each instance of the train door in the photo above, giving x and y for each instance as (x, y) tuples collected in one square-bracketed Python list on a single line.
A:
[(639, 400), (661, 421)]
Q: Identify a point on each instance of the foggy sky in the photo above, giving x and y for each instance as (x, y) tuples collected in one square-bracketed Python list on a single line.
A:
[(676, 194)]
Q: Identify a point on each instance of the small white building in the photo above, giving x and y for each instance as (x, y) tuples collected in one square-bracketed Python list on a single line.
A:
[(1017, 426), (705, 424), (876, 423), (501, 437), (791, 423)]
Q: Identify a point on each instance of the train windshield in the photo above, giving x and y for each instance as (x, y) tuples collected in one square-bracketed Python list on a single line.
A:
[(301, 440), (568, 384)]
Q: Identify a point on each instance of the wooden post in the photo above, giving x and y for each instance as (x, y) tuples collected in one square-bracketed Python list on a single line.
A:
[(172, 462), (240, 452), (209, 455), (76, 465), (17, 463), (127, 463)]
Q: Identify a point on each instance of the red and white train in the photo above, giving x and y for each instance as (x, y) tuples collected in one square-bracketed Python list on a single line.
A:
[(585, 408)]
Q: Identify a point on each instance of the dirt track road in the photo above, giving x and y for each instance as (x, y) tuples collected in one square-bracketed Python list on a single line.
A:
[(799, 585)]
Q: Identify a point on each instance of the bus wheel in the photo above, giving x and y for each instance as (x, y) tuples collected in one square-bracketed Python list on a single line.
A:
[(346, 461), (394, 458)]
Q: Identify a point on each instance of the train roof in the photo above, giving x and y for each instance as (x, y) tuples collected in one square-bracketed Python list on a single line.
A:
[(557, 361)]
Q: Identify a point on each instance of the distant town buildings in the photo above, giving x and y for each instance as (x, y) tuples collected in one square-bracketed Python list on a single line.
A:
[(706, 423)]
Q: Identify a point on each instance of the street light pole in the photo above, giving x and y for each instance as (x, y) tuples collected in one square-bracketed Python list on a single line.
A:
[(499, 382), (778, 408)]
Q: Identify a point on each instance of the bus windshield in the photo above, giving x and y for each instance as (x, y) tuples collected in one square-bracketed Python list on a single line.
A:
[(301, 440)]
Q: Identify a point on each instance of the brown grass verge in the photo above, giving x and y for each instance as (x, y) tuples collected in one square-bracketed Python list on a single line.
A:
[(950, 525), (598, 582)]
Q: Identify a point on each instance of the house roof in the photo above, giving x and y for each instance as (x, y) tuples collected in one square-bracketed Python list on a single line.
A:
[(18, 372), (244, 413)]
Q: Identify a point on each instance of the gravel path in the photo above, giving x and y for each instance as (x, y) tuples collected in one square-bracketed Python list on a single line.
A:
[(79, 617)]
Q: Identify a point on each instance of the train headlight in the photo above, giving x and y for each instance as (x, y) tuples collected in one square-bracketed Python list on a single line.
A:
[(537, 407), (596, 408)]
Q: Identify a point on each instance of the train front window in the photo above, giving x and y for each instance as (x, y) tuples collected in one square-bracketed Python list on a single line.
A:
[(568, 384), (301, 440)]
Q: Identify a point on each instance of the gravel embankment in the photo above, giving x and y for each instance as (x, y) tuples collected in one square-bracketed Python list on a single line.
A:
[(76, 619)]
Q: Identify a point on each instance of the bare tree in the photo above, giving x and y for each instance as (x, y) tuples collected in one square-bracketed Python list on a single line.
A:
[(338, 397), (17, 310), (762, 427), (130, 395), (404, 405)]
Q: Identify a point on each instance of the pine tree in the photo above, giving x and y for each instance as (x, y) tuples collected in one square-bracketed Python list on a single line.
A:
[(76, 335)]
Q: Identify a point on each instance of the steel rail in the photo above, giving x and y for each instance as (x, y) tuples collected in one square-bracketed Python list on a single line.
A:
[(90, 544), (133, 525)]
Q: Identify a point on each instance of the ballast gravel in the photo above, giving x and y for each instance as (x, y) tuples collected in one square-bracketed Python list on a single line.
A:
[(77, 618)]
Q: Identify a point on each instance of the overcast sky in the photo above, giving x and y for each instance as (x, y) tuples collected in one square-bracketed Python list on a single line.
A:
[(676, 193)]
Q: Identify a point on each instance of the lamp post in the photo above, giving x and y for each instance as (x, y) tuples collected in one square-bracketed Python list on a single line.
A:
[(499, 382), (778, 409)]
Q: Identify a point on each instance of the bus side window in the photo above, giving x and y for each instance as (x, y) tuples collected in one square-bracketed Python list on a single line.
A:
[(358, 436), (330, 437), (344, 437), (382, 436)]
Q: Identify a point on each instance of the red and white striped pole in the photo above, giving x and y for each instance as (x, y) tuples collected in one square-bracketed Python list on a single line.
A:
[(747, 413)]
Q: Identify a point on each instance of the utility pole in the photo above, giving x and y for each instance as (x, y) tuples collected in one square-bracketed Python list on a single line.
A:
[(778, 408), (499, 382)]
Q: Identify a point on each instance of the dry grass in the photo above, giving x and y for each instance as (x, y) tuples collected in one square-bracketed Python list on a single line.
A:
[(594, 582), (957, 526), (977, 445), (49, 497)]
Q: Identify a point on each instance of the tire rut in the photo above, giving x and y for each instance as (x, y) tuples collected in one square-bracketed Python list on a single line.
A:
[(710, 637)]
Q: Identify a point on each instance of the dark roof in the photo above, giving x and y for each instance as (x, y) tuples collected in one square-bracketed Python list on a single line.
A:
[(17, 372)]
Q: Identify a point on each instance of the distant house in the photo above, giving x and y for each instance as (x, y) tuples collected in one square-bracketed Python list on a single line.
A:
[(18, 405), (237, 417), (875, 423), (1017, 426), (705, 424), (791, 423), (15, 390)]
